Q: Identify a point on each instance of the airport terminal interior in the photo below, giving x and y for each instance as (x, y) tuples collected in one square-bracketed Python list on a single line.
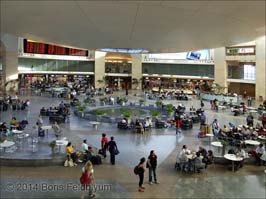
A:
[(133, 99)]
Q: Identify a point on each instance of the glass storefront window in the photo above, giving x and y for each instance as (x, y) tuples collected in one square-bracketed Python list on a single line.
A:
[(28, 64)]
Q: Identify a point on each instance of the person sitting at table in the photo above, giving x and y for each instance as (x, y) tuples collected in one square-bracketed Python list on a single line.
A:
[(203, 152), (249, 120), (124, 121), (14, 123), (146, 124), (182, 159), (93, 157), (3, 127), (84, 146), (23, 124), (210, 157), (263, 120), (259, 151), (70, 152), (246, 132), (198, 162), (240, 152)]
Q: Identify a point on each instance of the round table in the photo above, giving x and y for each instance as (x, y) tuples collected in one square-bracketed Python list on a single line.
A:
[(60, 143), (217, 144), (252, 142), (95, 124), (262, 137), (46, 128), (210, 135), (6, 144), (17, 131), (233, 158)]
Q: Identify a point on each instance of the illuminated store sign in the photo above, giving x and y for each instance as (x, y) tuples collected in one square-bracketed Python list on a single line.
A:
[(250, 50), (195, 55), (124, 50)]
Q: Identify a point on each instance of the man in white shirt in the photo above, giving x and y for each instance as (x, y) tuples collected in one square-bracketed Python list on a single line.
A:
[(215, 127), (84, 146), (259, 151)]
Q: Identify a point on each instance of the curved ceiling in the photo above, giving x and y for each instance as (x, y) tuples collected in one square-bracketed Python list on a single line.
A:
[(159, 26)]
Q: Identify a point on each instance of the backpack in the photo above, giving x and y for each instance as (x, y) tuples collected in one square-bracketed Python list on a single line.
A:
[(136, 170)]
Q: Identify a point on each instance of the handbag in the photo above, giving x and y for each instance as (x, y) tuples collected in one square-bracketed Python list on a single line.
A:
[(81, 179), (116, 152)]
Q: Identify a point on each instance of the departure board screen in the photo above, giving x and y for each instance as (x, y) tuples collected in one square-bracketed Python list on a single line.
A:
[(49, 49)]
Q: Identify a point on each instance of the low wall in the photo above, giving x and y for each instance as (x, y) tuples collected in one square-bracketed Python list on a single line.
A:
[(58, 161), (211, 97)]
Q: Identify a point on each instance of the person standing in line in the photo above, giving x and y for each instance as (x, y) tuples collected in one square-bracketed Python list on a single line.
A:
[(152, 164), (112, 149), (141, 170), (87, 179), (104, 143)]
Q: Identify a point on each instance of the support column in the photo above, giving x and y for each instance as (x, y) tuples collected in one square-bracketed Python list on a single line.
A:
[(260, 68), (99, 69), (220, 68), (10, 61), (137, 68)]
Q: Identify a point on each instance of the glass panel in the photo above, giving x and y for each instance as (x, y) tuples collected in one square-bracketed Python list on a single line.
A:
[(179, 69)]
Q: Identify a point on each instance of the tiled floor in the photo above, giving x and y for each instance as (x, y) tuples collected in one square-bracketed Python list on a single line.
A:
[(215, 182)]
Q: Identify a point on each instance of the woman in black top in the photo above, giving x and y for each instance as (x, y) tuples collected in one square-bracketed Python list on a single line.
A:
[(141, 170), (112, 149), (152, 164)]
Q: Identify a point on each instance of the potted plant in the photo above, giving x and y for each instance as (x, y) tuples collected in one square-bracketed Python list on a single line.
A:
[(155, 113), (103, 101), (52, 145), (224, 143), (80, 110), (141, 102), (159, 103), (169, 108), (126, 113), (2, 139)]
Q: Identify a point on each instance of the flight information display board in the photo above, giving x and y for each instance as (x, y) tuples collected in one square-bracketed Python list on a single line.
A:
[(50, 49)]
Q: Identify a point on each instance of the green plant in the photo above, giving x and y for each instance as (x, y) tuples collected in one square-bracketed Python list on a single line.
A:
[(81, 108), (87, 101), (126, 114), (155, 113), (52, 144), (99, 112), (224, 143), (2, 139), (169, 108), (142, 101), (103, 99), (158, 103)]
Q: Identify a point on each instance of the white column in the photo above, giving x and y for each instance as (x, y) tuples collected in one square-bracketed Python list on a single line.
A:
[(10, 63), (220, 68), (99, 68), (260, 68), (137, 68)]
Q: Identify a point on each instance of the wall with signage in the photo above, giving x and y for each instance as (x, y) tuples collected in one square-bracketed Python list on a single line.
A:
[(30, 64), (178, 69), (240, 50)]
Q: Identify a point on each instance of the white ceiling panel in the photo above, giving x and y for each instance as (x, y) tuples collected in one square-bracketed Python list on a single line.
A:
[(160, 26)]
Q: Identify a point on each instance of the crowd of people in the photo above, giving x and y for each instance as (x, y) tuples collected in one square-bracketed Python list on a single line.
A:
[(13, 103)]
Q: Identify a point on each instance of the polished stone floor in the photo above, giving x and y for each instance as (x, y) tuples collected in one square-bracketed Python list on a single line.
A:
[(119, 180)]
